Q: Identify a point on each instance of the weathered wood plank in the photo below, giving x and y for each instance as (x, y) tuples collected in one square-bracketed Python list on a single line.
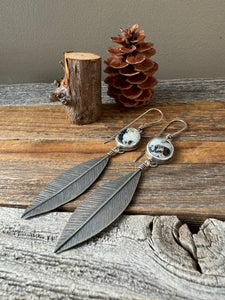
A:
[(43, 144), (139, 257), (186, 151), (179, 90), (205, 120), (193, 191)]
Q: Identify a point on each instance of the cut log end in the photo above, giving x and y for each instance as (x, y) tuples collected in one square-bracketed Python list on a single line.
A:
[(81, 56)]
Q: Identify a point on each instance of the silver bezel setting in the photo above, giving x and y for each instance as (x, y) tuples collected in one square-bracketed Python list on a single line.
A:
[(156, 158), (127, 147)]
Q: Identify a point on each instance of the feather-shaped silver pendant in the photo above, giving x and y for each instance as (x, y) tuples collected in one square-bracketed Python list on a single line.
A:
[(73, 182), (108, 202), (98, 210), (67, 186)]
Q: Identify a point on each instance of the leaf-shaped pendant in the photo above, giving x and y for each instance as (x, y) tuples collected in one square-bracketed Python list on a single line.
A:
[(105, 205), (98, 210), (67, 186), (73, 182)]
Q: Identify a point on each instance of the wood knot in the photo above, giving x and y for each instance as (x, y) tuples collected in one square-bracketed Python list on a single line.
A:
[(61, 94)]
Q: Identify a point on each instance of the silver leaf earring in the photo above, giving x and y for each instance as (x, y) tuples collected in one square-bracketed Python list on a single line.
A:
[(107, 203), (72, 183)]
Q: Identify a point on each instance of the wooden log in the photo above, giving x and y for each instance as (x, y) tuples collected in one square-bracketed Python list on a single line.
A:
[(138, 257), (80, 89)]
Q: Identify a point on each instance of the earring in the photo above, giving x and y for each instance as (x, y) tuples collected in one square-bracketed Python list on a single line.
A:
[(107, 203), (72, 183)]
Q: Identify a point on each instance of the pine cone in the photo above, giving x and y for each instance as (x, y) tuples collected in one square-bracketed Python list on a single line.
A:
[(130, 81)]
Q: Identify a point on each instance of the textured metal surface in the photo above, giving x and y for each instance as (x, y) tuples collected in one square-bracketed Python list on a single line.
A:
[(98, 211), (67, 186)]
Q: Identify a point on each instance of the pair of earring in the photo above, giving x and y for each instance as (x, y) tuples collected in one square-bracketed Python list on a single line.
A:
[(75, 181), (107, 202)]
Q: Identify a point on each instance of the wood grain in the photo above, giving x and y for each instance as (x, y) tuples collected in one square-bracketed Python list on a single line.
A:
[(171, 90), (205, 120), (139, 257), (43, 144)]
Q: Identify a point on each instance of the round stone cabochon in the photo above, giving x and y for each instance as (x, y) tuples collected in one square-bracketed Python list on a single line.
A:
[(129, 137), (160, 148)]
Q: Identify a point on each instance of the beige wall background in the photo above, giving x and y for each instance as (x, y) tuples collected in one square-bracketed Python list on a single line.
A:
[(189, 35)]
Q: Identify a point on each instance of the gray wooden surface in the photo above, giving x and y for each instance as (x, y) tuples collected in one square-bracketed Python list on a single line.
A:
[(179, 90), (138, 257)]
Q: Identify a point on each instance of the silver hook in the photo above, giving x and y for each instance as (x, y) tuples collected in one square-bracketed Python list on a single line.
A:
[(170, 136), (141, 127), (175, 133)]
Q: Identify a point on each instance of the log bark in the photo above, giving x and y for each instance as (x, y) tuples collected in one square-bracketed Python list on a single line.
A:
[(80, 89), (138, 257)]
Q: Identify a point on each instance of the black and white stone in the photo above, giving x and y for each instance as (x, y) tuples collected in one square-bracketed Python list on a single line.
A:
[(128, 139), (159, 150)]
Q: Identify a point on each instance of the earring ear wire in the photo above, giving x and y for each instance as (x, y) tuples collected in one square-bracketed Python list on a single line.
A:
[(169, 136), (141, 127)]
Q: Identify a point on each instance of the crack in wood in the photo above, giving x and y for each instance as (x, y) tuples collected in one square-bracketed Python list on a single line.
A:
[(187, 247), (137, 256)]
